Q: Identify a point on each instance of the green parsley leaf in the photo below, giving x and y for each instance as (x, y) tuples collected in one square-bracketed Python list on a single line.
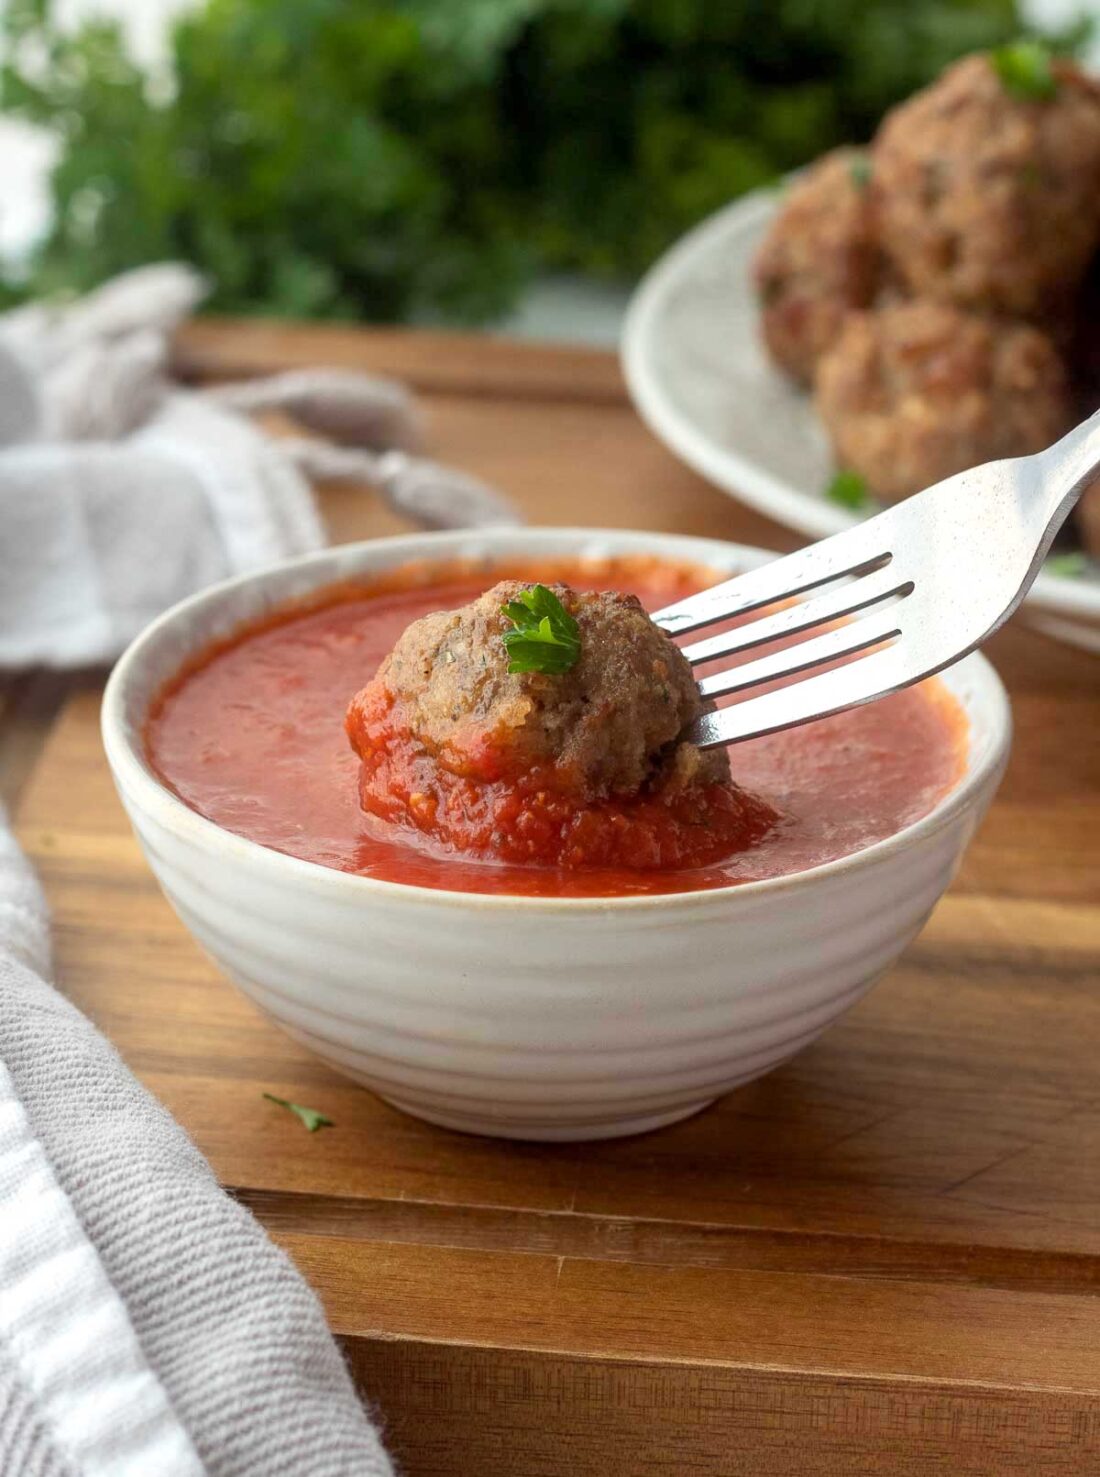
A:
[(544, 636), (849, 490), (309, 1116), (860, 171), (1065, 566), (1025, 70)]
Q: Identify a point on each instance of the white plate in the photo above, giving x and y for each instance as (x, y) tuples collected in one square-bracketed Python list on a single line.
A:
[(699, 378)]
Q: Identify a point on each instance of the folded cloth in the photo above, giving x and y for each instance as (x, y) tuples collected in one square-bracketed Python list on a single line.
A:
[(148, 1327), (121, 492), (96, 539)]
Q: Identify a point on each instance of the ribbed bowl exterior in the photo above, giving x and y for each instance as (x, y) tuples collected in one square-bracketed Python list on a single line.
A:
[(507, 1022), (540, 1018)]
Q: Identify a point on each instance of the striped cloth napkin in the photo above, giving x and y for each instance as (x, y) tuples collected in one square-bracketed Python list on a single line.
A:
[(148, 1327)]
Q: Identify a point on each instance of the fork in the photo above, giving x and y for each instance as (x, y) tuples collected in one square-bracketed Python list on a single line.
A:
[(901, 596)]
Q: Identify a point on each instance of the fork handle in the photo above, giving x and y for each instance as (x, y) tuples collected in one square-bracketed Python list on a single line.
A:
[(1067, 468)]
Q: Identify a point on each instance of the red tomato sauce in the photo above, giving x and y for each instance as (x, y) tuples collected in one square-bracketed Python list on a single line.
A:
[(527, 817), (251, 734)]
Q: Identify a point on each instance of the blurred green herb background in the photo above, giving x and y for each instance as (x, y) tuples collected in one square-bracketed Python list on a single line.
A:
[(422, 160)]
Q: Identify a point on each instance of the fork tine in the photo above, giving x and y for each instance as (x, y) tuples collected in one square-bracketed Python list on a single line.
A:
[(831, 605), (816, 696), (1009, 510), (803, 656), (857, 551)]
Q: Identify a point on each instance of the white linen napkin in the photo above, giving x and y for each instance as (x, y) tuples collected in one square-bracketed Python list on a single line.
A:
[(121, 492)]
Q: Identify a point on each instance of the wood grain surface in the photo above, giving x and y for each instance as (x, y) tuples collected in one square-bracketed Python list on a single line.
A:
[(883, 1258)]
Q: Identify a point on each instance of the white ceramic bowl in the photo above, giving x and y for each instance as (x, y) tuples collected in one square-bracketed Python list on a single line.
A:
[(536, 1018), (701, 381)]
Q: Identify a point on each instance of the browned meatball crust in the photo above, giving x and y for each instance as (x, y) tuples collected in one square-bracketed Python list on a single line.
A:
[(818, 261), (988, 200), (1084, 341), (917, 391), (608, 726), (1088, 519)]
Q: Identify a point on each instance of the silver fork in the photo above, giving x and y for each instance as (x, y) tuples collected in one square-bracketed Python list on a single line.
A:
[(916, 588)]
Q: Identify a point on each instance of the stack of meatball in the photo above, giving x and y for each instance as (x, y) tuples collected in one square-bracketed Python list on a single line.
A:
[(940, 291)]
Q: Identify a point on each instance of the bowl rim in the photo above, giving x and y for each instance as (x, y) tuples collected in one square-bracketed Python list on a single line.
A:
[(739, 476), (136, 780)]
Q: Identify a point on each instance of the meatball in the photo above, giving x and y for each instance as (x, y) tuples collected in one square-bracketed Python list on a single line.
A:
[(583, 767), (609, 725), (917, 391), (1088, 519), (1084, 341), (989, 200), (818, 262)]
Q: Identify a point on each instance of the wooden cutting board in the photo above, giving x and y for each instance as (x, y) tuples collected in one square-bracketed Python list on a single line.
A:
[(883, 1258)]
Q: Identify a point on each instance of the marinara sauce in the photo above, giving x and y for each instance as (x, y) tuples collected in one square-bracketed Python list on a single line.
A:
[(251, 734)]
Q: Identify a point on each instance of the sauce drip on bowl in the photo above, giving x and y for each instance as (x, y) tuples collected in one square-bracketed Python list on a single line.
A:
[(251, 735)]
